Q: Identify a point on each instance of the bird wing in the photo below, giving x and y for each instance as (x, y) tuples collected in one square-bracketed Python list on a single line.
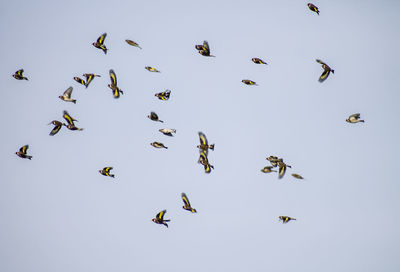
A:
[(324, 75), (130, 42), (185, 200), (55, 130), (20, 72), (320, 61), (79, 80), (206, 47), (107, 169), (24, 149), (355, 115), (68, 92), (89, 78), (203, 139), (282, 171), (100, 40), (68, 118), (113, 77), (160, 215), (207, 168)]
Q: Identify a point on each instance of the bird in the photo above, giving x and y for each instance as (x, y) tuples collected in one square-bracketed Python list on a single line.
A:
[(203, 159), (158, 145), (89, 78), (167, 131), (273, 160), (286, 219), (153, 116), (204, 146), (18, 75), (57, 127), (326, 72), (258, 61), (249, 82), (151, 69), (204, 49), (282, 168), (70, 120), (297, 176), (159, 219), (130, 42), (354, 118), (80, 80), (113, 86), (267, 169), (313, 7), (163, 95), (73, 127), (100, 43), (22, 152), (67, 96), (106, 172), (187, 204)]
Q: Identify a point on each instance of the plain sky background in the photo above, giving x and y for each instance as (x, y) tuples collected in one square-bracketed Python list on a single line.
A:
[(59, 214)]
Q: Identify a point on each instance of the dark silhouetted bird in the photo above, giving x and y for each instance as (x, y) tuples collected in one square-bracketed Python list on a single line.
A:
[(258, 61), (106, 172), (204, 49), (314, 8), (326, 72), (22, 152), (130, 42), (159, 219), (113, 86), (67, 96), (89, 78), (158, 145), (151, 69), (354, 118), (286, 219), (57, 127), (163, 95), (249, 82), (167, 131), (187, 204), (100, 43), (18, 75), (153, 116)]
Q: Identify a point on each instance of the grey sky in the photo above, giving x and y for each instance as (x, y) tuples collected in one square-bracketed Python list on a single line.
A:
[(59, 214)]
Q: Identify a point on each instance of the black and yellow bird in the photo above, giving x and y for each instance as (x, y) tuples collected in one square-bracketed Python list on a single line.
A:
[(258, 61), (158, 145), (130, 42), (113, 86), (18, 75), (187, 204), (167, 131), (80, 80), (313, 7), (282, 168), (153, 116), (151, 69), (100, 43), (273, 160), (249, 82), (106, 172), (204, 146), (89, 78), (70, 120), (22, 152), (57, 127), (268, 169), (297, 176), (159, 219), (354, 118), (67, 96), (163, 95), (326, 72), (204, 49), (285, 219), (203, 160)]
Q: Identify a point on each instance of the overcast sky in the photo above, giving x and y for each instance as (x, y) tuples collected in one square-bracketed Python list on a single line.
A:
[(59, 214)]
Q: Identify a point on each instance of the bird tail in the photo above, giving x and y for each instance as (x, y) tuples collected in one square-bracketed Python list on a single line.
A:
[(362, 121), (333, 71), (166, 147), (165, 224), (74, 101), (167, 220), (212, 146), (193, 210), (112, 175), (29, 157)]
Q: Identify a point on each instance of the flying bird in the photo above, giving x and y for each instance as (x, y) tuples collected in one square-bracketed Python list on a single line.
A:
[(159, 219), (106, 172), (18, 75), (113, 86), (57, 127), (249, 82), (80, 80), (70, 120), (326, 72), (100, 43), (153, 116), (158, 145), (204, 146), (267, 169), (258, 61), (167, 131), (89, 78), (67, 96), (151, 69), (282, 168), (297, 176), (22, 152), (273, 160), (313, 7), (286, 219), (203, 159), (130, 42), (354, 118), (187, 204), (163, 95), (204, 49)]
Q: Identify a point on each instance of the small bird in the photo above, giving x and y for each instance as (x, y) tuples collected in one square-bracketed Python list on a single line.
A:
[(100, 43), (273, 160), (18, 75), (204, 49), (282, 168), (57, 127), (312, 7), (130, 42), (73, 127), (67, 96), (151, 69), (159, 219), (249, 82), (113, 86), (286, 219), (158, 145), (203, 159), (70, 120), (204, 146), (258, 61), (354, 118), (153, 116), (268, 169), (89, 78), (106, 172), (80, 80), (22, 152), (297, 176), (326, 72), (163, 95), (187, 204), (167, 131)]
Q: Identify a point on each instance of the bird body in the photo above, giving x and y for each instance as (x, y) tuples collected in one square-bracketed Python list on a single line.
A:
[(153, 116), (151, 69), (67, 96), (354, 118), (258, 61), (163, 95), (187, 204), (297, 176), (158, 145), (106, 171), (167, 131), (313, 7), (130, 42), (100, 43), (204, 49), (159, 219), (22, 152), (268, 169), (286, 219), (57, 127), (18, 75), (249, 82)]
